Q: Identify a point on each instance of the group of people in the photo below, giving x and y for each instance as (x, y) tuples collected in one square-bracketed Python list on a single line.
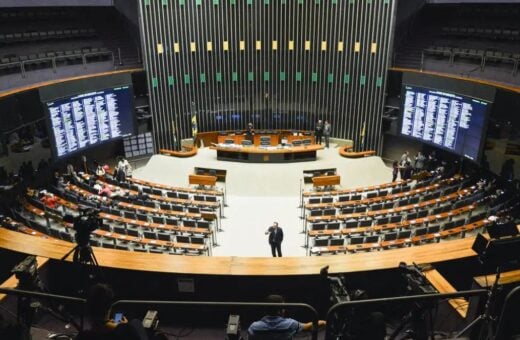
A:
[(322, 129), (406, 167)]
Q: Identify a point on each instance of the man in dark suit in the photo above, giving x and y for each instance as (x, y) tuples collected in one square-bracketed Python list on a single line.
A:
[(275, 239), (318, 131)]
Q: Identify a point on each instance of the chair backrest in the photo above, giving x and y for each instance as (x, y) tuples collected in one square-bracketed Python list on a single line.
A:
[(246, 142), (337, 242), (420, 231), (390, 236), (343, 198), (321, 242), (333, 226), (306, 142), (372, 239), (297, 142), (327, 200), (404, 234), (357, 240), (229, 141), (318, 226)]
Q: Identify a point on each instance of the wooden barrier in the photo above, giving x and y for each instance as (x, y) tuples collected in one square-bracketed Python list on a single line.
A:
[(345, 152), (188, 151), (248, 266)]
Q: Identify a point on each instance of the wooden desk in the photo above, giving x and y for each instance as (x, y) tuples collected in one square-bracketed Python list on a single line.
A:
[(221, 174), (255, 154), (202, 180), (308, 175), (325, 181), (357, 190), (218, 137)]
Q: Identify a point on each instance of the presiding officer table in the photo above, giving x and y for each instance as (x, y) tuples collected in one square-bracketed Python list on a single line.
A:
[(271, 154)]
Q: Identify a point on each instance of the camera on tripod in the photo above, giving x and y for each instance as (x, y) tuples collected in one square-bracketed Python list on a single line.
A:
[(85, 223)]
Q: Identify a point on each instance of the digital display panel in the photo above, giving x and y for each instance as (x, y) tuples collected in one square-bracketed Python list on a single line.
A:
[(447, 120), (89, 119)]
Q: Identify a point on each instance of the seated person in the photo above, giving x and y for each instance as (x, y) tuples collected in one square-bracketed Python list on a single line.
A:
[(105, 191), (276, 326), (99, 300), (49, 200)]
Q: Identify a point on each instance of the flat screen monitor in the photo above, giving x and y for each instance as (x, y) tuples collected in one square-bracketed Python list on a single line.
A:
[(444, 119), (88, 119)]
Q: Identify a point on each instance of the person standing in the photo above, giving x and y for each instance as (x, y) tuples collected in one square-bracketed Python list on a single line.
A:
[(395, 171), (275, 239), (419, 162), (326, 133), (405, 158), (318, 131), (250, 132)]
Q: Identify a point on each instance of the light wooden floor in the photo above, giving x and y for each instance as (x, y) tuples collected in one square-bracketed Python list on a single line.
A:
[(259, 194)]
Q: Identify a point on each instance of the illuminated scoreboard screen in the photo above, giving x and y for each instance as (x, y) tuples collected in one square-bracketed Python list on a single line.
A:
[(88, 119), (447, 120)]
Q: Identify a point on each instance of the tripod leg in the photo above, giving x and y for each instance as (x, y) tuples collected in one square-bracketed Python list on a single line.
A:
[(468, 327)]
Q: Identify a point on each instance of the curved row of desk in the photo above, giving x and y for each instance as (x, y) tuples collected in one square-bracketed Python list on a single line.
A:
[(242, 266)]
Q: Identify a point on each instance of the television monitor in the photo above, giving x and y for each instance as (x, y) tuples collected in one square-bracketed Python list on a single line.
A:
[(88, 119), (444, 119)]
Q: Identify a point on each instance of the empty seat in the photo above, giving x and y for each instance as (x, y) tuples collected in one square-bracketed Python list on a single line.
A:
[(352, 223), (314, 200), (164, 236), (333, 226), (337, 241), (324, 242), (158, 219), (150, 234), (420, 231), (392, 236), (343, 198), (372, 239), (132, 232), (182, 239), (404, 234), (357, 240), (318, 226), (365, 223), (327, 200)]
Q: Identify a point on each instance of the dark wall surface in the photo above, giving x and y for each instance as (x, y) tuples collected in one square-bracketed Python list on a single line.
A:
[(282, 64)]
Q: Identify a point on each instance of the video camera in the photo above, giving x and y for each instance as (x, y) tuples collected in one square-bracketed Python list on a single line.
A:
[(415, 279), (85, 223)]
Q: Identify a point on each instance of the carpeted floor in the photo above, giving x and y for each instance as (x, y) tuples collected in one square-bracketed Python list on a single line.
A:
[(258, 194)]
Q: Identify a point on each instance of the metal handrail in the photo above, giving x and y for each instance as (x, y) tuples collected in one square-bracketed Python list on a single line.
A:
[(303, 306), (32, 294), (399, 299)]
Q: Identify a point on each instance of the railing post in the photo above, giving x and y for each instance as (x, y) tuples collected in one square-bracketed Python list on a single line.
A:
[(119, 56), (54, 64)]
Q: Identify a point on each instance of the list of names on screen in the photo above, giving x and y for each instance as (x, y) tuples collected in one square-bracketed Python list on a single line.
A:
[(90, 118), (444, 119)]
